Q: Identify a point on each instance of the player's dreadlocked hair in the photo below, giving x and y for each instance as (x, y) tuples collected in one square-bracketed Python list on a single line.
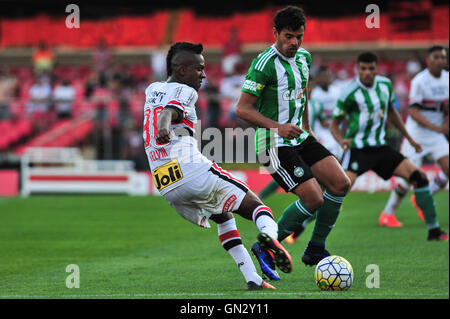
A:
[(367, 57), (291, 18), (178, 47)]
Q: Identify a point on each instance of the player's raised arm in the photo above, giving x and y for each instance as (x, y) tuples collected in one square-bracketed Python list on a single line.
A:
[(163, 125), (336, 132), (396, 120), (246, 111), (305, 118)]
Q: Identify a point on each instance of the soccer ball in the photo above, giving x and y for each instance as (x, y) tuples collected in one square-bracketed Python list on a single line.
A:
[(334, 273)]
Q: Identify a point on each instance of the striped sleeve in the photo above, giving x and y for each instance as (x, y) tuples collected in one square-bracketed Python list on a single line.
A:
[(182, 99), (257, 76), (342, 106)]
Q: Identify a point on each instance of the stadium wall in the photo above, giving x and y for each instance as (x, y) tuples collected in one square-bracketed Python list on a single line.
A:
[(153, 30), (143, 182)]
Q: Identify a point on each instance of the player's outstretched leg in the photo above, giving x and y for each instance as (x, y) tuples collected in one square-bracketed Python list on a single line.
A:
[(327, 215), (280, 255), (331, 175), (230, 240), (263, 218), (292, 219), (438, 183), (425, 201), (387, 217), (292, 238), (269, 252)]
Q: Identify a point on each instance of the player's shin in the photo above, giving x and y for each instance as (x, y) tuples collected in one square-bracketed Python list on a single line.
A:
[(327, 215), (438, 182), (397, 194), (231, 241), (292, 219), (425, 201), (424, 198), (263, 218)]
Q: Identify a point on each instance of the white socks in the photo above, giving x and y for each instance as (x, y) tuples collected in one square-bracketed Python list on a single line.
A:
[(231, 241), (263, 218), (438, 182), (402, 188)]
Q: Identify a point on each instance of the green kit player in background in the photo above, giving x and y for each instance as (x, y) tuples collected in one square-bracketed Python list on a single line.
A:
[(367, 104), (276, 82)]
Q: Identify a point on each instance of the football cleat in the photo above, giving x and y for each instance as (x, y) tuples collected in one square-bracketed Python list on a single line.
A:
[(389, 220), (266, 263), (280, 255), (313, 254), (264, 285), (292, 238), (437, 234), (419, 211)]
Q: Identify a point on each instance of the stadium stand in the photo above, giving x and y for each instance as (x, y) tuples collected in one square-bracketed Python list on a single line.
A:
[(131, 38)]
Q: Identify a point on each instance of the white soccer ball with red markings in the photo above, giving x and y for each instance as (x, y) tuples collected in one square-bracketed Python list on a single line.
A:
[(334, 273)]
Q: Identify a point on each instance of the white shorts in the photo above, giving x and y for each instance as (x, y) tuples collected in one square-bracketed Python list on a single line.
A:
[(435, 144), (215, 192)]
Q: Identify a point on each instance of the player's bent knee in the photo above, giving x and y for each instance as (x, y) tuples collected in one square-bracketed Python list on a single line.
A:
[(418, 179), (345, 185), (341, 186), (221, 218), (248, 205), (313, 202)]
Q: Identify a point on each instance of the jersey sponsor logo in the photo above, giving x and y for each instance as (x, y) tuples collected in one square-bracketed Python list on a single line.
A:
[(158, 154), (439, 90), (292, 94), (252, 86), (366, 116), (229, 204), (167, 174), (156, 97)]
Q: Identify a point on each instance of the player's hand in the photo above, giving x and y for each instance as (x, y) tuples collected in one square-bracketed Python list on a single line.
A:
[(416, 146), (289, 131), (163, 136), (346, 144)]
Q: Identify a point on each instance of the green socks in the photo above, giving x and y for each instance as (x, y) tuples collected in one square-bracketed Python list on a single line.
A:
[(425, 201), (269, 189), (326, 216), (292, 219)]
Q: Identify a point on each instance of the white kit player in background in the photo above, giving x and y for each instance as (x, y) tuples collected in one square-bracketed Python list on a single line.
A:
[(428, 124), (326, 94), (195, 187)]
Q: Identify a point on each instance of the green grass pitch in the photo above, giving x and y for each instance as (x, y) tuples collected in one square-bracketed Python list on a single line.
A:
[(139, 247)]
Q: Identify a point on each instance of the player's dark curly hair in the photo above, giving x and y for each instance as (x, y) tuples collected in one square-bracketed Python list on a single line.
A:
[(178, 47), (291, 18), (367, 57), (435, 48)]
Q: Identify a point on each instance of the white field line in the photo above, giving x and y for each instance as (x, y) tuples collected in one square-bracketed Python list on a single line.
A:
[(218, 294)]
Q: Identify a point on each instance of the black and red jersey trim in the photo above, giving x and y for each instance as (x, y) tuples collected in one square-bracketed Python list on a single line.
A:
[(216, 170)]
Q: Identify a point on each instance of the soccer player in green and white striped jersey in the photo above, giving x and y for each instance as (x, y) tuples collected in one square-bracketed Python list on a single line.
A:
[(276, 82), (367, 103)]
